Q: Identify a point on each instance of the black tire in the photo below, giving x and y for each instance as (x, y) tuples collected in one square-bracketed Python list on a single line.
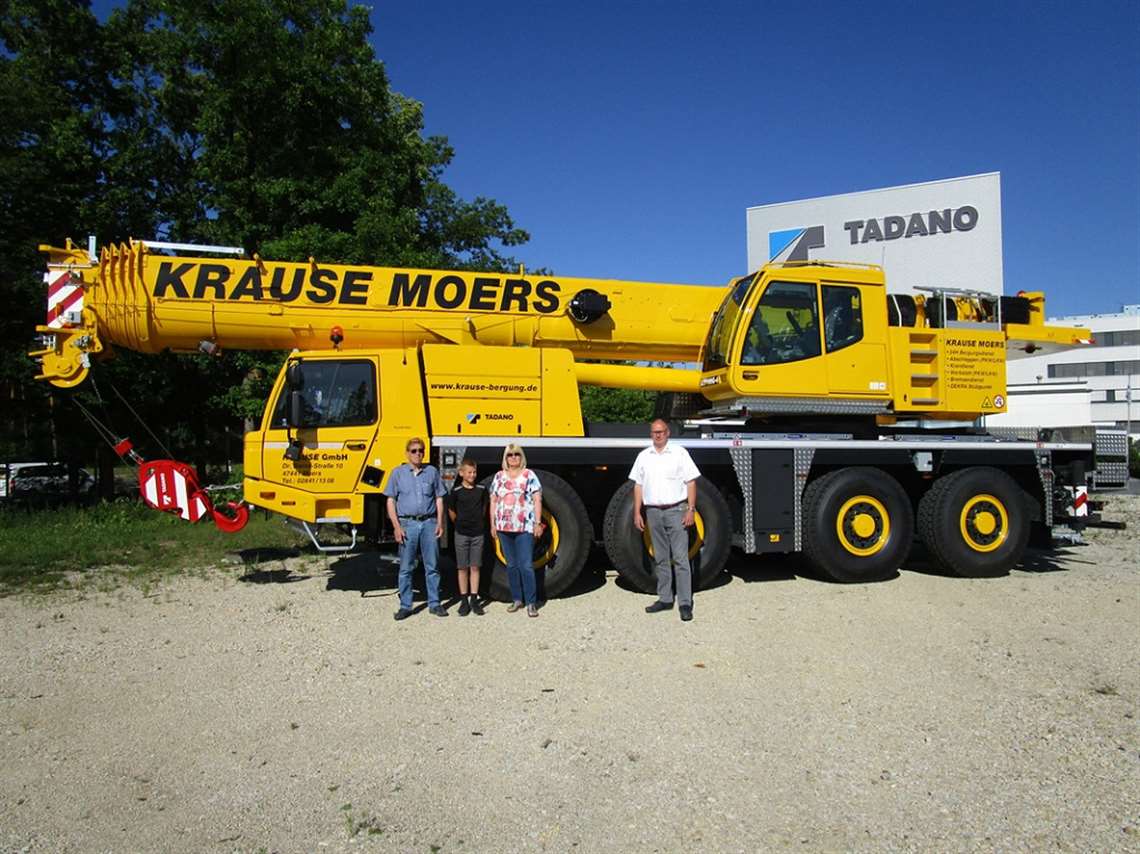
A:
[(627, 549), (975, 522), (561, 551), (858, 524)]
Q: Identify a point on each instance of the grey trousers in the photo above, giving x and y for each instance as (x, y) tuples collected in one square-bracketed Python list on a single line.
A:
[(671, 552)]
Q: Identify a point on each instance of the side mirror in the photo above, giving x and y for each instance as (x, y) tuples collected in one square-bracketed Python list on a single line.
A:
[(294, 376), (296, 408)]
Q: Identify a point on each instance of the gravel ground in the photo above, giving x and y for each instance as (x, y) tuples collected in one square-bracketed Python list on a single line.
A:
[(920, 714)]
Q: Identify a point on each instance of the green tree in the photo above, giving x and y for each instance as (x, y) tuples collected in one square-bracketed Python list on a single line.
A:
[(284, 137), (617, 404), (268, 124), (55, 104)]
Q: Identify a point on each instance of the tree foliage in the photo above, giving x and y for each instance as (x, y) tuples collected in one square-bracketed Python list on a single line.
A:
[(617, 404), (284, 137), (268, 124)]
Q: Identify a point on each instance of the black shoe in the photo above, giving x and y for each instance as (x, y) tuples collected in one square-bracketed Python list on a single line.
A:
[(464, 607), (476, 606), (658, 606), (686, 613), (403, 614), (438, 611)]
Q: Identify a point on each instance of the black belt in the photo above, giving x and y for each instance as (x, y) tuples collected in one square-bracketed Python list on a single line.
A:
[(419, 518), (684, 501)]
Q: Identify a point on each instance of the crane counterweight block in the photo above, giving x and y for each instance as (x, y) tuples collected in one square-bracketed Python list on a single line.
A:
[(173, 487)]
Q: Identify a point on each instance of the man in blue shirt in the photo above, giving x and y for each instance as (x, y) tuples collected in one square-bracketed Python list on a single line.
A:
[(415, 507)]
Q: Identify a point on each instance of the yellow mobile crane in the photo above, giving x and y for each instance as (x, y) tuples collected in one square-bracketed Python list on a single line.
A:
[(828, 416)]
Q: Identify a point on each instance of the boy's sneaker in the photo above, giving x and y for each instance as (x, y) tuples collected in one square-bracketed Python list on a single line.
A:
[(476, 606), (464, 607)]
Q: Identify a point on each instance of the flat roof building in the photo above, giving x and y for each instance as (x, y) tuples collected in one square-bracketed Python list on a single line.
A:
[(1110, 368)]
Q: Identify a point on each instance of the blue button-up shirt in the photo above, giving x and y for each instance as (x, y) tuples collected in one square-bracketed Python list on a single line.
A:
[(415, 493)]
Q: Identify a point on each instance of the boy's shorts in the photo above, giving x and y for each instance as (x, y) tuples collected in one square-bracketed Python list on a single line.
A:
[(468, 550)]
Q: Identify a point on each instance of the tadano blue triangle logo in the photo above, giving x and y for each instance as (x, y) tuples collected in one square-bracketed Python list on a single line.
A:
[(778, 241), (793, 244)]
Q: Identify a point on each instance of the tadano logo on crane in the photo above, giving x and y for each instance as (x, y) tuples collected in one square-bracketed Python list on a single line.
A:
[(324, 285)]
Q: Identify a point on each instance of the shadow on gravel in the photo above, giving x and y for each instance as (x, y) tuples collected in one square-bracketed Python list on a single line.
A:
[(272, 576), (591, 578), (1051, 560), (253, 557), (263, 554), (367, 572), (1036, 560), (755, 569), (377, 572), (785, 567)]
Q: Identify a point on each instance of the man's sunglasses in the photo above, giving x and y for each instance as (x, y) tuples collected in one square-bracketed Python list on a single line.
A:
[(415, 450)]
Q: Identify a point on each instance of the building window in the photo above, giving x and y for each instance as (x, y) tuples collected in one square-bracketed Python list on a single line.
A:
[(1117, 338), (1094, 369)]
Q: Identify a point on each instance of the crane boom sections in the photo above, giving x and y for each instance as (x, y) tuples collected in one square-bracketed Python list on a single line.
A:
[(148, 302)]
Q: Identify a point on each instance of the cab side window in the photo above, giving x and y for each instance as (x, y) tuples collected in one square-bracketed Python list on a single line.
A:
[(842, 317), (785, 326)]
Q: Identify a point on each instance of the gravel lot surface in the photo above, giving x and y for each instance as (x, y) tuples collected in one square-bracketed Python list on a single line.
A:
[(287, 712)]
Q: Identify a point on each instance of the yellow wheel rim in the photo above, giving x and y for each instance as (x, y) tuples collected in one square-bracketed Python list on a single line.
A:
[(695, 541), (984, 523), (863, 525), (545, 547)]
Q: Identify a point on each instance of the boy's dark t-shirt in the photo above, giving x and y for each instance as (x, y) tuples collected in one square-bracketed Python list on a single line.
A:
[(470, 506)]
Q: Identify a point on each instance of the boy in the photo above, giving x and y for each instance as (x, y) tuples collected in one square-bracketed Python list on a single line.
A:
[(467, 508)]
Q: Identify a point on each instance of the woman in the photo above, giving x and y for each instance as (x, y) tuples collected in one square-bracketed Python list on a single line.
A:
[(516, 519)]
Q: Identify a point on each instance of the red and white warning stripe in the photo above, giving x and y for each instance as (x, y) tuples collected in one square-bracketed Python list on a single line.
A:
[(166, 487), (1080, 501), (65, 298)]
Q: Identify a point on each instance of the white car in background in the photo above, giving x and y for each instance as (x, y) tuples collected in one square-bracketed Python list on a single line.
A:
[(43, 483)]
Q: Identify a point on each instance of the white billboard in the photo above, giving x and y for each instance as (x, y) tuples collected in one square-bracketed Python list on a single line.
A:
[(936, 234)]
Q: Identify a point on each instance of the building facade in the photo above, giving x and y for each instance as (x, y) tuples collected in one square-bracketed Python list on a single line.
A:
[(1110, 368), (943, 234)]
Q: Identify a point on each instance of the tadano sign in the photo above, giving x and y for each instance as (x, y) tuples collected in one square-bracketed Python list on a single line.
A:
[(941, 233)]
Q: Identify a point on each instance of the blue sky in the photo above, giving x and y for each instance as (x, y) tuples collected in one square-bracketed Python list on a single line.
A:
[(629, 138)]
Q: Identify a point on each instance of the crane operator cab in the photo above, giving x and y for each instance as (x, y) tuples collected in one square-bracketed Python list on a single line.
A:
[(795, 337)]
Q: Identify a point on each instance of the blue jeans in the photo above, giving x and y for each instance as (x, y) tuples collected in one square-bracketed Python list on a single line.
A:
[(518, 549), (419, 538)]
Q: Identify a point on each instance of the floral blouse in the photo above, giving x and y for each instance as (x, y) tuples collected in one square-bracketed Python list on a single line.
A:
[(514, 510)]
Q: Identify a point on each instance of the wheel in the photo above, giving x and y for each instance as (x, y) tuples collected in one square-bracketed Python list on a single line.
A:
[(857, 524), (975, 522), (631, 550), (559, 553)]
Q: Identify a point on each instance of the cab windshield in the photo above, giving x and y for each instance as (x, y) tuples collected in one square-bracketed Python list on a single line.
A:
[(724, 324), (335, 393)]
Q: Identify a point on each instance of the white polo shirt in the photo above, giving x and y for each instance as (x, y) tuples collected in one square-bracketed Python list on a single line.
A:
[(663, 476)]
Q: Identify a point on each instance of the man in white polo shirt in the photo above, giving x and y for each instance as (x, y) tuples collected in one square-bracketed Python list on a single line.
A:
[(665, 482)]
